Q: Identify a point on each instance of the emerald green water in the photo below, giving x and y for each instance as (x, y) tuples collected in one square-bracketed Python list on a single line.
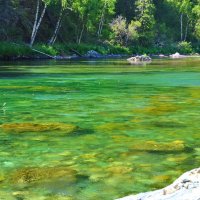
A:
[(94, 130)]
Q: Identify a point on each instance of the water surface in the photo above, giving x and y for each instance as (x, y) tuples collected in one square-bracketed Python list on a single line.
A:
[(93, 130)]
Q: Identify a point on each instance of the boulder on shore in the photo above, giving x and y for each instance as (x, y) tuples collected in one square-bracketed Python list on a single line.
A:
[(186, 187), (93, 54), (139, 59), (177, 55)]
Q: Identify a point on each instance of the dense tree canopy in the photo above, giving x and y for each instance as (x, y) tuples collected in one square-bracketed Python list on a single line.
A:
[(143, 22)]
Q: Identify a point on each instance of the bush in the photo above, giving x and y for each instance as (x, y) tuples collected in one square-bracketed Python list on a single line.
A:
[(185, 47), (8, 49), (46, 49)]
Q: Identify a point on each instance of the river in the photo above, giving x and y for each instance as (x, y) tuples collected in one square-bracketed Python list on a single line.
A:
[(98, 129)]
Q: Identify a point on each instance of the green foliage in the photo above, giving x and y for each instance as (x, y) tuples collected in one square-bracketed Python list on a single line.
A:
[(84, 48), (46, 49), (142, 26), (145, 15), (123, 32), (169, 49), (196, 11), (185, 47), (13, 50)]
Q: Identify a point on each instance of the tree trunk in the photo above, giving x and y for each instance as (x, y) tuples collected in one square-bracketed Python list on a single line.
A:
[(186, 29), (38, 22), (57, 28), (55, 38), (36, 19), (101, 21), (81, 34), (181, 21)]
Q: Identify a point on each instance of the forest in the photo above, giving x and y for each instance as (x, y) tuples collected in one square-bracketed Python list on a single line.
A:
[(108, 26)]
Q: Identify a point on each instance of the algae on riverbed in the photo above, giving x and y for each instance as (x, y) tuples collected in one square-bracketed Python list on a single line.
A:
[(98, 131)]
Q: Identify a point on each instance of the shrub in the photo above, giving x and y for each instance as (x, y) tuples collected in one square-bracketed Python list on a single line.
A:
[(46, 49), (185, 47), (8, 49)]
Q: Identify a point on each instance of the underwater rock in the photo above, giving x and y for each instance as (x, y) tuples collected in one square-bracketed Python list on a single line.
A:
[(159, 105), (119, 169), (139, 59), (2, 177), (186, 187), (177, 145), (33, 195), (38, 127), (159, 109), (116, 168), (37, 174)]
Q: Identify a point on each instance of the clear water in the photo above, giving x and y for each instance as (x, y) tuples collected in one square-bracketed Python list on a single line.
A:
[(93, 130)]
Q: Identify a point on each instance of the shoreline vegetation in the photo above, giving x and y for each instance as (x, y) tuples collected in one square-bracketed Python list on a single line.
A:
[(19, 51), (65, 29)]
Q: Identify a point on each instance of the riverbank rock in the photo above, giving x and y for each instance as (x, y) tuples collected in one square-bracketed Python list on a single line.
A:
[(177, 55), (139, 59), (38, 127), (186, 187), (93, 54)]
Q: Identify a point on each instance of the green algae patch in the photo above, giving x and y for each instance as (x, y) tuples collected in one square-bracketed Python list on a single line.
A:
[(27, 194), (159, 105), (37, 174), (113, 126), (119, 169), (38, 127), (2, 177), (38, 88), (195, 93), (177, 145), (159, 109)]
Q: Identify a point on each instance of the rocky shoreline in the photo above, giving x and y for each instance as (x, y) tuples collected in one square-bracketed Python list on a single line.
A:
[(186, 187), (134, 59)]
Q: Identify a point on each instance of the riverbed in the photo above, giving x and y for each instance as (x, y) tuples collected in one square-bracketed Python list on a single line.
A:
[(96, 129)]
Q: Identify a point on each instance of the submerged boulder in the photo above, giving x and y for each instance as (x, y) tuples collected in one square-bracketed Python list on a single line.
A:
[(186, 187), (41, 174), (152, 146), (139, 59), (38, 127)]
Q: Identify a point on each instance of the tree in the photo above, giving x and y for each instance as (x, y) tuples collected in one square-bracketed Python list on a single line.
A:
[(196, 11), (38, 19), (184, 8), (107, 7), (126, 8), (123, 32), (145, 15), (63, 4), (8, 18)]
